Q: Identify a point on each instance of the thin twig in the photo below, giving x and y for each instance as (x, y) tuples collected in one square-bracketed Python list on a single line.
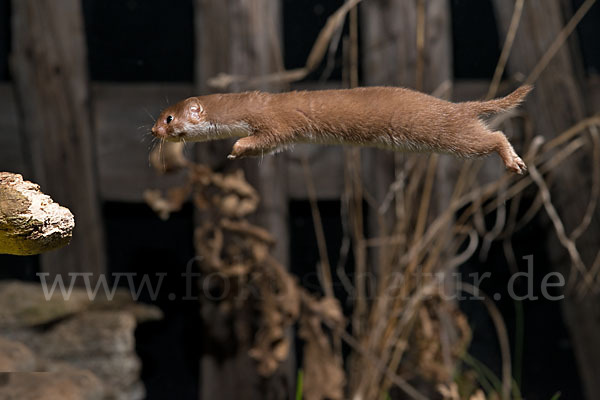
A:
[(426, 197), (376, 362), (595, 192), (487, 191), (354, 158), (559, 228)]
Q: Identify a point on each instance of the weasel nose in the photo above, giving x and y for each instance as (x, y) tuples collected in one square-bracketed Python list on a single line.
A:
[(159, 131)]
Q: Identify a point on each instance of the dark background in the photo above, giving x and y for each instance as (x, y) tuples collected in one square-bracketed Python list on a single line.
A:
[(151, 41)]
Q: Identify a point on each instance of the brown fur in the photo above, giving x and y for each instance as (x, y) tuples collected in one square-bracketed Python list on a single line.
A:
[(387, 117)]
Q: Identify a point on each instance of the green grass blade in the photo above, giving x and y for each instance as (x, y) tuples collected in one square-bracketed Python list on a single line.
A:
[(299, 384)]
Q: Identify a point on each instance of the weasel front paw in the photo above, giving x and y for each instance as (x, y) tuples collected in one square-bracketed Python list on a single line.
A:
[(250, 146), (239, 151)]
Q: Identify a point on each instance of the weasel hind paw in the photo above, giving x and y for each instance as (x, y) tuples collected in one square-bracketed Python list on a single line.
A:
[(516, 165)]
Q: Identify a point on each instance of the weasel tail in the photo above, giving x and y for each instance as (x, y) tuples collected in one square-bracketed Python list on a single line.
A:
[(502, 104)]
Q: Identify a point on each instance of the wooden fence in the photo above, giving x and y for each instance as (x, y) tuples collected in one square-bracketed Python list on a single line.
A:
[(88, 142)]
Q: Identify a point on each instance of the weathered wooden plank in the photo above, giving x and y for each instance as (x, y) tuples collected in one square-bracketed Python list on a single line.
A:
[(11, 152), (593, 94), (557, 103), (392, 57), (389, 58), (247, 44), (248, 47), (49, 68)]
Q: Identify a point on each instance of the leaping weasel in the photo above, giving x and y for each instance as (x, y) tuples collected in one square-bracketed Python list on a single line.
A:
[(387, 117)]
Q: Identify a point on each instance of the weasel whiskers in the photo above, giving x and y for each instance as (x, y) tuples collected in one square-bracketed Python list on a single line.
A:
[(150, 115)]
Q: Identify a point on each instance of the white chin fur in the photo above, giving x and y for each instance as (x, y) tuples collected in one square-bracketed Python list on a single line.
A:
[(205, 131)]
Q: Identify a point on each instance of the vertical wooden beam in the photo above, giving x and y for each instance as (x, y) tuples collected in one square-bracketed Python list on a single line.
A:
[(391, 57), (389, 43), (49, 70), (242, 37), (557, 103), (389, 39)]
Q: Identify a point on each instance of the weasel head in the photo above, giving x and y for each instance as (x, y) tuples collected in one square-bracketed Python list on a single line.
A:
[(185, 120)]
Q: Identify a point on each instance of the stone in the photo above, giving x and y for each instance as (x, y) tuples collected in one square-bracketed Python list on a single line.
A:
[(30, 221), (15, 357), (69, 384), (86, 335), (24, 305)]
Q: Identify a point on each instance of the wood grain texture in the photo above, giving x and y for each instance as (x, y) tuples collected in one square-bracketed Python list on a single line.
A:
[(557, 103), (246, 44), (49, 68), (11, 142), (390, 58)]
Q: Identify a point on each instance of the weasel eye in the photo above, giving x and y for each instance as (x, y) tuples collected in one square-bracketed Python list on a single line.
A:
[(169, 119)]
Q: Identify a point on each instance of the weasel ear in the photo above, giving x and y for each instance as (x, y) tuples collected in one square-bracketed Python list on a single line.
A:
[(196, 110)]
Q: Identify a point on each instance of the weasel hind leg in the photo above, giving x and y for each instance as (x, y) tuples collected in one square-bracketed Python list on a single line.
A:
[(483, 142), (510, 158)]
